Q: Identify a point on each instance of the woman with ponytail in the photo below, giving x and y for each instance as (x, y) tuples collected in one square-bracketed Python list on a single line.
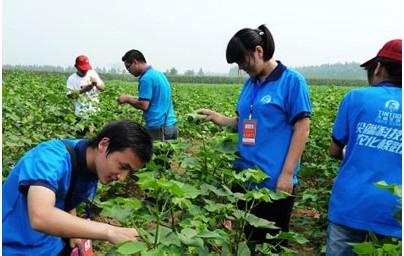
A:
[(273, 119)]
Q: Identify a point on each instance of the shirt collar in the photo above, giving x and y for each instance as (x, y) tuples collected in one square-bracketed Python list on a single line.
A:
[(81, 152), (389, 84), (144, 71), (275, 74)]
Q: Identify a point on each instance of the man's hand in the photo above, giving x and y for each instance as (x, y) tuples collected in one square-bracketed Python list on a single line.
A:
[(118, 235), (75, 242), (86, 88)]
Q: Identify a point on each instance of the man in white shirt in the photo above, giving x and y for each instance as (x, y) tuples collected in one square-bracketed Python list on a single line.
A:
[(85, 85)]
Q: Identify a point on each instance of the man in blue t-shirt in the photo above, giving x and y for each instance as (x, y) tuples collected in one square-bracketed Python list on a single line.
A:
[(154, 97), (53, 178), (368, 125)]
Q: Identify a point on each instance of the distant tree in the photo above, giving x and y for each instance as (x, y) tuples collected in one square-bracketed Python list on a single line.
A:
[(189, 72), (235, 71), (172, 72), (200, 72)]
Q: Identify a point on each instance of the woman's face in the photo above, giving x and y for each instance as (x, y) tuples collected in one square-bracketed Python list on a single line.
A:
[(253, 63)]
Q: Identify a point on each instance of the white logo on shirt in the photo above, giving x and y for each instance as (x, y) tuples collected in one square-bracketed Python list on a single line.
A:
[(392, 105), (266, 99)]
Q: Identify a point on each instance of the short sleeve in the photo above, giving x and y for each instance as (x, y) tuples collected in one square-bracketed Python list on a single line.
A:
[(70, 83), (340, 130), (46, 165), (299, 100), (145, 89)]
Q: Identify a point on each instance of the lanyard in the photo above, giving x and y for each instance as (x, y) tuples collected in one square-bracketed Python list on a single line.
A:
[(254, 95)]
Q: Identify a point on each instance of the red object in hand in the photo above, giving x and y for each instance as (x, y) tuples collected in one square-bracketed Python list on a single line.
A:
[(75, 252), (86, 248)]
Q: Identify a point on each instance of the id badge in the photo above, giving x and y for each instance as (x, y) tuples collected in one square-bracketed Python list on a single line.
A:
[(249, 132)]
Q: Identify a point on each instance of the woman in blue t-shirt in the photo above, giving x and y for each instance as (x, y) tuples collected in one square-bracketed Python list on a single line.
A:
[(273, 119)]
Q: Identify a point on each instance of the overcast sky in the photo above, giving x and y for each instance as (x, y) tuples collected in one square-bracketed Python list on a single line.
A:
[(193, 34)]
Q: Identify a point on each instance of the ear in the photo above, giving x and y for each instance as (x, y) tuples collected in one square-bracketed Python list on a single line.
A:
[(260, 51), (378, 70), (103, 144)]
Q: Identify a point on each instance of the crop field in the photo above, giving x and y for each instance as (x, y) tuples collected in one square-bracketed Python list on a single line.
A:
[(182, 204)]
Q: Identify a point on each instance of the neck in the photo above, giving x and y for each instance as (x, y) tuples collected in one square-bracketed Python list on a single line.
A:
[(143, 67), (270, 65), (90, 159)]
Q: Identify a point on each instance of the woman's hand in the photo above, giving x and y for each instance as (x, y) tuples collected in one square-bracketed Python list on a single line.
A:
[(285, 183)]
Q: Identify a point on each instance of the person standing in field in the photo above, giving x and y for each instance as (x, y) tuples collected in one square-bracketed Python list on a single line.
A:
[(85, 85), (273, 120), (46, 185), (368, 125), (154, 98)]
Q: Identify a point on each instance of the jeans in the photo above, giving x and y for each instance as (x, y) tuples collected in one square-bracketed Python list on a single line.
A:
[(170, 133), (338, 237)]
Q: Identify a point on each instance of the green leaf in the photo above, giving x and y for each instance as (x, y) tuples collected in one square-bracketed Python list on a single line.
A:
[(365, 248), (188, 237), (131, 247), (292, 236), (243, 250), (260, 222)]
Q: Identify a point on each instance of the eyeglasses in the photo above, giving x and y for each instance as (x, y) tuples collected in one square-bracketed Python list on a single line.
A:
[(128, 65)]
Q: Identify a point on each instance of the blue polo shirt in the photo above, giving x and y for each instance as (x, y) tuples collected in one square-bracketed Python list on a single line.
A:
[(48, 165), (278, 102), (369, 124), (154, 87)]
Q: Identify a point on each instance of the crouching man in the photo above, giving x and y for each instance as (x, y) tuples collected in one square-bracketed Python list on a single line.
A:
[(46, 185)]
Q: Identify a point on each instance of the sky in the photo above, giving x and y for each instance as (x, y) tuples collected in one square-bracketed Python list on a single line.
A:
[(190, 35)]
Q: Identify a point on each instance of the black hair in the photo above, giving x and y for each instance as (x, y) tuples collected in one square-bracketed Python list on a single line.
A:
[(126, 134), (244, 42), (133, 55), (393, 70)]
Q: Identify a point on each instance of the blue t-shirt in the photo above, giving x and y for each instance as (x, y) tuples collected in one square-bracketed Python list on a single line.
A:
[(154, 87), (369, 124), (48, 165), (278, 102)]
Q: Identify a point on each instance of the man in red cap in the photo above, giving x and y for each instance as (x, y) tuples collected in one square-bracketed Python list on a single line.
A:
[(368, 126), (85, 85)]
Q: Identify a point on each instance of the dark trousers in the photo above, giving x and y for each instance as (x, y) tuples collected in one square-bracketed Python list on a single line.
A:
[(278, 211), (166, 133)]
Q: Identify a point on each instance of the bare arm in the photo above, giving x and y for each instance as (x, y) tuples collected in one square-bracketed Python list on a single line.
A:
[(46, 218), (218, 118), (134, 101), (335, 151), (299, 139)]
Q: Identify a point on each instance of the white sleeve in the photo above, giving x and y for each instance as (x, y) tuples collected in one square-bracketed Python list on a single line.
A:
[(71, 83)]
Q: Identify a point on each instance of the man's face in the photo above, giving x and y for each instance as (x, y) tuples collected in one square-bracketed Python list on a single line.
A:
[(80, 72), (132, 67), (116, 165)]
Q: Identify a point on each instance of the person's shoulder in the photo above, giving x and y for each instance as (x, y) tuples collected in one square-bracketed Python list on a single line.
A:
[(92, 72), (72, 76), (292, 73), (55, 146)]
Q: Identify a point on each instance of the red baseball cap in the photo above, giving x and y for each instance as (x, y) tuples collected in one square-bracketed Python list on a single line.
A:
[(391, 50), (83, 63)]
